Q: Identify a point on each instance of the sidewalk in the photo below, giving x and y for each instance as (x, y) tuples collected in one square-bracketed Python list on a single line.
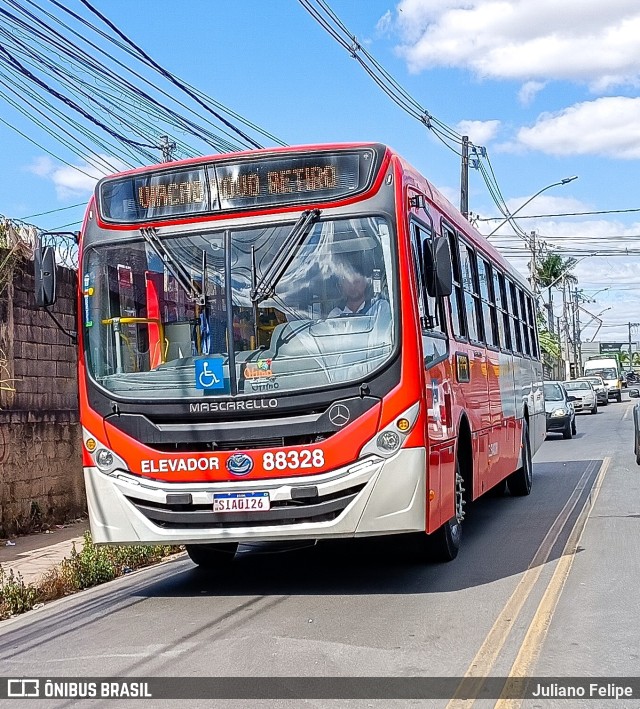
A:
[(33, 555)]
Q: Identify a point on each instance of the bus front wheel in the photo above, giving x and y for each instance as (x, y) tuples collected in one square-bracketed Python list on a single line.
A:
[(444, 543), (212, 556)]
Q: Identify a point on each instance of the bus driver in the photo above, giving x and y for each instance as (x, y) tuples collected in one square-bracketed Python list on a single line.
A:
[(357, 295)]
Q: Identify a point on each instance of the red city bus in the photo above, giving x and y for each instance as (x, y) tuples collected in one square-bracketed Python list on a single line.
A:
[(296, 343)]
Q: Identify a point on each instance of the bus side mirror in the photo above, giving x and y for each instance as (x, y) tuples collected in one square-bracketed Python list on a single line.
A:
[(44, 264), (437, 267)]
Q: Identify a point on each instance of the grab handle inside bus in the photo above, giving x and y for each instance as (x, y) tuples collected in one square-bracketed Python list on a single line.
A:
[(437, 267)]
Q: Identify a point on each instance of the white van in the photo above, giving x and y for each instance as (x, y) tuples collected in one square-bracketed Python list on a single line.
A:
[(609, 369)]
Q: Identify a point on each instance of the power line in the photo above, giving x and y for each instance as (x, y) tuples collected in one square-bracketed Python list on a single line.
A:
[(53, 211), (448, 136), (168, 75), (560, 214), (34, 49)]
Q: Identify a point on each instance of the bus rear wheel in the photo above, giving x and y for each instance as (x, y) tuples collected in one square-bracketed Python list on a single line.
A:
[(212, 556), (521, 480)]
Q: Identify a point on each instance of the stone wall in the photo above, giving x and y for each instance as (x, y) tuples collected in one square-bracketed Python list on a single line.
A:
[(40, 436)]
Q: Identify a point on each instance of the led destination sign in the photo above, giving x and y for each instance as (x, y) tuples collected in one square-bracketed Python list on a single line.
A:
[(276, 182), (171, 194), (225, 186)]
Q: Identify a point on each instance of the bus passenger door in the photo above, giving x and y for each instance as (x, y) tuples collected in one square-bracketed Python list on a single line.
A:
[(434, 342)]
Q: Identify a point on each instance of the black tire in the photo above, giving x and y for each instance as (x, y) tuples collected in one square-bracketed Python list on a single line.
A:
[(444, 544), (606, 402), (594, 410), (567, 434), (619, 398), (499, 490), (521, 480), (573, 428), (212, 556)]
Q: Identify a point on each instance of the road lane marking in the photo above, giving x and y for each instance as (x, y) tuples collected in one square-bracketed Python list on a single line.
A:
[(486, 656), (537, 632)]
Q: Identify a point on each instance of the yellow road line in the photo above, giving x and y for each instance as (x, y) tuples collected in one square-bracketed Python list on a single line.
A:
[(486, 656), (537, 632)]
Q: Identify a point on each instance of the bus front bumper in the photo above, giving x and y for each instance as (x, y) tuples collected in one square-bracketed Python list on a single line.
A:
[(370, 497)]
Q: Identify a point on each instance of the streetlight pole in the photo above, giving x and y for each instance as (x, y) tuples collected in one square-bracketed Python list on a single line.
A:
[(631, 325), (564, 181), (594, 317)]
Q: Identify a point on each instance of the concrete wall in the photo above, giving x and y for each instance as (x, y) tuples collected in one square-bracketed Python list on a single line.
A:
[(40, 437)]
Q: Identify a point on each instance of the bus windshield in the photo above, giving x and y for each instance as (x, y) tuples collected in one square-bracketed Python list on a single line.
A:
[(328, 319)]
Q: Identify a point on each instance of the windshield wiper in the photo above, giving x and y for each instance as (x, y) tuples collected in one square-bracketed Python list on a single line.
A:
[(266, 286), (177, 270)]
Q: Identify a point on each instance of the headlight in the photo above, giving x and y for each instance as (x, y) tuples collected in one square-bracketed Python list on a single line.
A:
[(559, 412), (390, 439), (104, 459)]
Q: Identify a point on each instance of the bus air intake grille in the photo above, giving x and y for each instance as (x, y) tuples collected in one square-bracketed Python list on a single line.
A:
[(322, 508), (242, 444)]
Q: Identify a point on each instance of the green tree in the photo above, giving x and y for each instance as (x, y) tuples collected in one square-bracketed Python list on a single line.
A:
[(550, 270)]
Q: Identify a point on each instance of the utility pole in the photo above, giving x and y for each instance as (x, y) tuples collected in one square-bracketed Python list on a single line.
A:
[(532, 266), (557, 374), (565, 315), (168, 148), (464, 178), (577, 345)]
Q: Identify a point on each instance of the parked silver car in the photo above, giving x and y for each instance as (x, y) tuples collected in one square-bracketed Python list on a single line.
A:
[(600, 386), (635, 394), (585, 395), (561, 418)]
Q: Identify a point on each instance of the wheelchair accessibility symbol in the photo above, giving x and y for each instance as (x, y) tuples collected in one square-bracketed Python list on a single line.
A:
[(209, 374)]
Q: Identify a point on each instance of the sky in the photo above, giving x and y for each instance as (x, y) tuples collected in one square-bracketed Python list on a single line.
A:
[(550, 90)]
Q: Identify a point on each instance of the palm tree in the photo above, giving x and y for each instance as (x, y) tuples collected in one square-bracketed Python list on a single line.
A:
[(552, 269)]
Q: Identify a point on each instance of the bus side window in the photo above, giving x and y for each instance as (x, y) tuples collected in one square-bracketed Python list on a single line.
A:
[(428, 307), (469, 287), (526, 332), (504, 307), (533, 328), (515, 318), (488, 303), (457, 299)]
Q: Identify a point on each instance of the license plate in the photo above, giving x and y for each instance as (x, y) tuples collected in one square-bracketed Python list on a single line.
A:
[(241, 502)]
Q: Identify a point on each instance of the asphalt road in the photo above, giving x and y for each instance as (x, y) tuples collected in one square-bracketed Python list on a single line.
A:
[(544, 585)]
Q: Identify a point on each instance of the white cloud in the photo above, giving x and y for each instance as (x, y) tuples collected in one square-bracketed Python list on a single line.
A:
[(41, 166), (577, 40), (529, 90), (479, 132), (76, 180), (384, 23), (608, 126)]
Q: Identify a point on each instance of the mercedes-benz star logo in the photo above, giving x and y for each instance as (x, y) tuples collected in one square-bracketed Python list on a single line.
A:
[(339, 415)]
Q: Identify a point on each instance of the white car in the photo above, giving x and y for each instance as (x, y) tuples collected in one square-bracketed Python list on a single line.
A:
[(600, 386), (584, 394)]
